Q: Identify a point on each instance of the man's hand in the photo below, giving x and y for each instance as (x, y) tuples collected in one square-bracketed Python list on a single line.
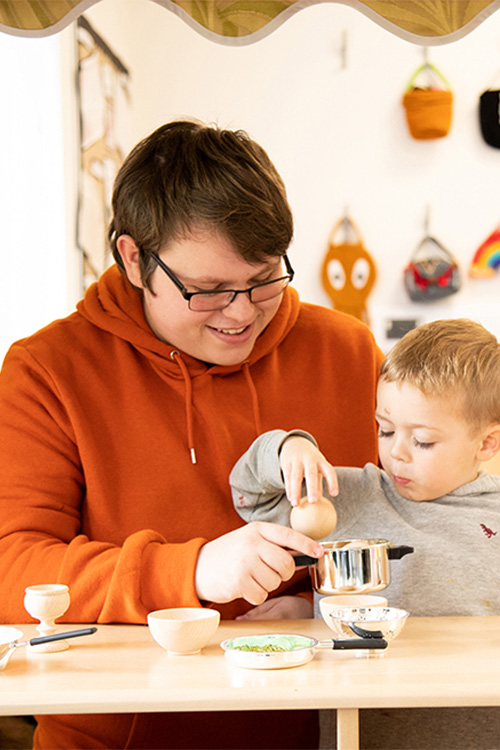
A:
[(250, 562), (299, 460)]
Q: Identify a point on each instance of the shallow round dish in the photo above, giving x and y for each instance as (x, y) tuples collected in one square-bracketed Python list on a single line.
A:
[(7, 635), (369, 622), (293, 650), (183, 630), (329, 604)]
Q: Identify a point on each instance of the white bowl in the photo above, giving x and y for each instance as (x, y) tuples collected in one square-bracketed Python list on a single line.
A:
[(330, 604), (183, 630), (369, 622)]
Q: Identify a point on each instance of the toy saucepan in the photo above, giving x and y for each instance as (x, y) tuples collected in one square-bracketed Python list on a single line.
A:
[(279, 651), (353, 566)]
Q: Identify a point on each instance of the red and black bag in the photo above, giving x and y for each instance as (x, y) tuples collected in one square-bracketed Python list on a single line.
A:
[(432, 272)]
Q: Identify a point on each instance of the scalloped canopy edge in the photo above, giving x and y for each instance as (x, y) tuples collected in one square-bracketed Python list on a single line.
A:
[(240, 22)]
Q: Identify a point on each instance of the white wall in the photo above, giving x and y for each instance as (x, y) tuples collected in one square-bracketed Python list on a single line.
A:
[(337, 135), (38, 264)]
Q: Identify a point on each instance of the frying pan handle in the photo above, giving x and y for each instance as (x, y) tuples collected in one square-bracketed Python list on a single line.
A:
[(353, 643), (61, 636), (304, 560), (396, 553)]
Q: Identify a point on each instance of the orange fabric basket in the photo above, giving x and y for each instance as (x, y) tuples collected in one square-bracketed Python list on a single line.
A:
[(428, 110)]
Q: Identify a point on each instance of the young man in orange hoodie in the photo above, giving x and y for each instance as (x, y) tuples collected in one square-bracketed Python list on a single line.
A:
[(119, 425)]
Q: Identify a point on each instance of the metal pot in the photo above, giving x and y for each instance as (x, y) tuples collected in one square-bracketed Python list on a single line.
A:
[(353, 566), (294, 650)]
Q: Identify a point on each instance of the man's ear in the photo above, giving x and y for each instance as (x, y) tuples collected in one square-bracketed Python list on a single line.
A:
[(130, 256), (490, 443)]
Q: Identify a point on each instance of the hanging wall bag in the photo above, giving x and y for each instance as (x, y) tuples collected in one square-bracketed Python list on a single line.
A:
[(348, 272), (489, 116), (486, 261), (432, 272), (428, 110)]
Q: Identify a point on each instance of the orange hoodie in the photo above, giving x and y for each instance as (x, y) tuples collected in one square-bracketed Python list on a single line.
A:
[(99, 421)]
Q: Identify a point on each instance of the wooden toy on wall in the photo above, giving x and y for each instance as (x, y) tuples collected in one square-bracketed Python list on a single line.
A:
[(348, 272)]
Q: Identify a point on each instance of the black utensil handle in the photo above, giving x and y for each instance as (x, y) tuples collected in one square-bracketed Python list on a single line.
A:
[(363, 632), (396, 553), (304, 560), (353, 643), (61, 636)]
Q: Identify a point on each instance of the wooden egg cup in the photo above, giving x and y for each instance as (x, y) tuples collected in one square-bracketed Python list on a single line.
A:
[(47, 602)]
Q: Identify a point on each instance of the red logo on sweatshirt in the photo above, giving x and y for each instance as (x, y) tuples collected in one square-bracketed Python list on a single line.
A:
[(489, 533)]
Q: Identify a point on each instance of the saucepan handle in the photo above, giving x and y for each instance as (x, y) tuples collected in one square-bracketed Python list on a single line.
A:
[(61, 636), (301, 560), (396, 553)]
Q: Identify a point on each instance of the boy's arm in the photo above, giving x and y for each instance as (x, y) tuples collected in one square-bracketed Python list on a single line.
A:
[(256, 481)]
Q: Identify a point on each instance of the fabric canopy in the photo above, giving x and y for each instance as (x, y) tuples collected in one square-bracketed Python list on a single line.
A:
[(244, 21)]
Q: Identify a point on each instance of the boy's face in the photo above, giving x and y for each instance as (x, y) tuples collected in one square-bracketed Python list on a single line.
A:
[(425, 445), (207, 262)]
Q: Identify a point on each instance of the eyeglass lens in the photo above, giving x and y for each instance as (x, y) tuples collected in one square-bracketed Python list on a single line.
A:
[(219, 300)]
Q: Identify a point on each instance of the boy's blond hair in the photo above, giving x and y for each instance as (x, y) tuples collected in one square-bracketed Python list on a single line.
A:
[(457, 358)]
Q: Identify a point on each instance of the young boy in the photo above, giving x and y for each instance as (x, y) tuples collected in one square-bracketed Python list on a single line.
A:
[(438, 411)]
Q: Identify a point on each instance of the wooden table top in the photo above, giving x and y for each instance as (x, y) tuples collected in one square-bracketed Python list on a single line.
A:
[(437, 661)]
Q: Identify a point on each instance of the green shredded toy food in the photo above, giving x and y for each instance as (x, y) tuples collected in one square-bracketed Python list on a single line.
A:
[(263, 647)]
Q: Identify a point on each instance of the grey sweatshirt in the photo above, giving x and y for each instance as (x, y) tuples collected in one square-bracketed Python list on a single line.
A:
[(454, 570)]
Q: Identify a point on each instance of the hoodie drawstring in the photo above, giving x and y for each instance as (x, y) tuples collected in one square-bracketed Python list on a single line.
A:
[(255, 398), (175, 355)]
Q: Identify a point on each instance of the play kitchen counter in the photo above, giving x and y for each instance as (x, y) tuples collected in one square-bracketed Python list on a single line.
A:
[(435, 661)]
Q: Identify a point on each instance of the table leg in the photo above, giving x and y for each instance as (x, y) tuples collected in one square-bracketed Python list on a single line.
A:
[(347, 729)]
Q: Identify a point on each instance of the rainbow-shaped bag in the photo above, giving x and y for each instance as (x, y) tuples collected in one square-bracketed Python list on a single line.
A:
[(487, 257)]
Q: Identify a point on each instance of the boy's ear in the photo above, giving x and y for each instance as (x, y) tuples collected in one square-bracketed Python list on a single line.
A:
[(490, 443), (130, 256)]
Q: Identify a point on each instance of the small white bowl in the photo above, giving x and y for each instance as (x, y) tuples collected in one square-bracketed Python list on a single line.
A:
[(183, 630), (366, 622), (330, 604)]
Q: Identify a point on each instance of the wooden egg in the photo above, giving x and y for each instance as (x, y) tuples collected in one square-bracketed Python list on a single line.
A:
[(316, 520)]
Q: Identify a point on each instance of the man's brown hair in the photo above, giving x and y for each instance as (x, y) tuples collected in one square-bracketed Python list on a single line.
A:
[(188, 177)]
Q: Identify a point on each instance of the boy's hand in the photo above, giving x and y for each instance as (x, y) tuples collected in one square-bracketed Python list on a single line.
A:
[(299, 460), (250, 562)]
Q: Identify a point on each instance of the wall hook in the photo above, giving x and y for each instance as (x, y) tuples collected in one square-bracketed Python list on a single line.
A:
[(343, 49), (427, 221)]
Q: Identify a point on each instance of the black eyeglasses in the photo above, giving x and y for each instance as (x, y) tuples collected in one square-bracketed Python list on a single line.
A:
[(209, 301)]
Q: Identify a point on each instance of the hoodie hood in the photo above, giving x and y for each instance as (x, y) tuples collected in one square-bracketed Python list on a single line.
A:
[(113, 305)]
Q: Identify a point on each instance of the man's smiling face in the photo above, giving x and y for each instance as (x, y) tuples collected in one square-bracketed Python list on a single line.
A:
[(207, 262)]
